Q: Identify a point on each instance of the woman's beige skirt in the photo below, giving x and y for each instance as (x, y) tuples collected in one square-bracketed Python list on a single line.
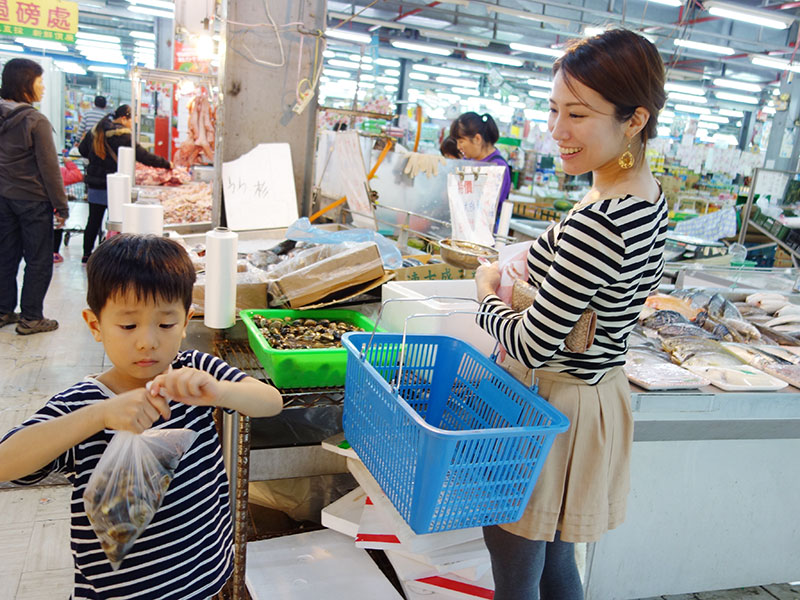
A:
[(584, 484)]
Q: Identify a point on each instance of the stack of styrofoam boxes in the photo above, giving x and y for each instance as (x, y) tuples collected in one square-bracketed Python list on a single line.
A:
[(449, 564), (401, 299)]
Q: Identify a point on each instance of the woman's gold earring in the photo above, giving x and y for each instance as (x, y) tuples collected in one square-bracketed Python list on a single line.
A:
[(626, 160)]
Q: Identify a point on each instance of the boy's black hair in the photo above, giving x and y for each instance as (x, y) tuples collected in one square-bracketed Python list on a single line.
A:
[(151, 267), (449, 147), (100, 101)]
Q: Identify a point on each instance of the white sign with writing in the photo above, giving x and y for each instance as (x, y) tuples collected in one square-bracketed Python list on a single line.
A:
[(259, 189)]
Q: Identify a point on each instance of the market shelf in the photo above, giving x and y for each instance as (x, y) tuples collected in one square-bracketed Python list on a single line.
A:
[(788, 249)]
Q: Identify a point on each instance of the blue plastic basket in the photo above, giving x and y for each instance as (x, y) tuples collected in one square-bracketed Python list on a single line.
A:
[(459, 443)]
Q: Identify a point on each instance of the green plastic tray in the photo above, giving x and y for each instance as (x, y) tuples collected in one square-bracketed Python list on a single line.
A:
[(314, 367)]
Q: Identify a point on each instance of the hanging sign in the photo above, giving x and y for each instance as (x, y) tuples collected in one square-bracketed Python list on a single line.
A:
[(54, 20)]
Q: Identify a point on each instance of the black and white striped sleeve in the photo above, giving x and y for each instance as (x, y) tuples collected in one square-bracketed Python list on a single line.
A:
[(589, 255)]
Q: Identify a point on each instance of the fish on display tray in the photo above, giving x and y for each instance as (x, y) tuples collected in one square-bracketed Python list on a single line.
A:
[(662, 376), (667, 302), (646, 356), (739, 379), (662, 318), (768, 362), (768, 334), (686, 329), (699, 351)]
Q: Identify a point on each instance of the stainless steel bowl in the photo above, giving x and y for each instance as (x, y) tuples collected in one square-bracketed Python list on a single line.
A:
[(465, 255)]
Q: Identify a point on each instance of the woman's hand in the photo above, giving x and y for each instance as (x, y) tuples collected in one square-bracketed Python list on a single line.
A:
[(487, 280), (187, 385), (134, 411)]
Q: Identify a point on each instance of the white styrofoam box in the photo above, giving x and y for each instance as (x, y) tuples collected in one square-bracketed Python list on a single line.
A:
[(416, 582), (417, 294), (424, 543), (314, 565), (344, 515)]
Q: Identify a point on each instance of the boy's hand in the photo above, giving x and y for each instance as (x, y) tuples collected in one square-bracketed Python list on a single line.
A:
[(134, 411), (187, 385)]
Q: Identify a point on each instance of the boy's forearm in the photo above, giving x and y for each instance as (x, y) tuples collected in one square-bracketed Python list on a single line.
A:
[(36, 446), (251, 397)]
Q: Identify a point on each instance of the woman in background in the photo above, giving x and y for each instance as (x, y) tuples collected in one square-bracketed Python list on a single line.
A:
[(31, 188), (101, 146), (606, 255), (476, 136)]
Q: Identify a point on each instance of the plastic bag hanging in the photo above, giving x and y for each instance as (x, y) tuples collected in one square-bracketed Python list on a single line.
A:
[(128, 485)]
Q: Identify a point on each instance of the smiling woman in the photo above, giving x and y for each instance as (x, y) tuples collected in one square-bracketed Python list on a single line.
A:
[(607, 255)]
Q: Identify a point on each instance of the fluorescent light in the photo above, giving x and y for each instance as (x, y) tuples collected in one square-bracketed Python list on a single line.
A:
[(146, 10), (418, 76), (97, 45), (774, 63), (666, 120), (387, 62), (162, 4), (715, 119), (686, 97), (684, 89), (357, 58), (770, 110), (350, 36), (70, 67), (698, 110), (436, 70), (536, 49), (663, 132), (391, 72), (736, 97), (666, 113), (539, 94), (426, 48), (328, 53), (706, 125), (668, 2), (501, 59), (390, 88), (536, 115), (106, 58), (736, 114), (144, 44), (112, 39), (738, 85), (454, 36), (12, 48), (458, 81), (540, 83), (465, 91), (755, 16), (367, 20), (389, 80), (346, 64), (142, 35), (109, 70), (705, 47), (43, 44), (522, 14), (367, 77)]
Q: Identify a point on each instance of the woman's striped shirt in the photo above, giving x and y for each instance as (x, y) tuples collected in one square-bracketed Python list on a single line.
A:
[(607, 256), (186, 552)]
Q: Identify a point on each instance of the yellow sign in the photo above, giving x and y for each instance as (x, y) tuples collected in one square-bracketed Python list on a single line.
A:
[(54, 20)]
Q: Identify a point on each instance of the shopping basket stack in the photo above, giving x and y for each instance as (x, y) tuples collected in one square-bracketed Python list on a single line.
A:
[(453, 440)]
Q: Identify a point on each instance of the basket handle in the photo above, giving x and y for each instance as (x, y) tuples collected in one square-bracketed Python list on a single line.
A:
[(398, 379)]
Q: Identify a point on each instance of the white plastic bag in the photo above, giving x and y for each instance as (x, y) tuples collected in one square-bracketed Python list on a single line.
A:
[(512, 262), (473, 202), (128, 484)]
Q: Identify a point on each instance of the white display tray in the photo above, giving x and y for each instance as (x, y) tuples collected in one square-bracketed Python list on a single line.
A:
[(679, 378), (761, 381)]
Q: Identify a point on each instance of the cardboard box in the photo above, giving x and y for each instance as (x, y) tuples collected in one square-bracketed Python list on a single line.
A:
[(248, 295), (436, 271), (323, 271)]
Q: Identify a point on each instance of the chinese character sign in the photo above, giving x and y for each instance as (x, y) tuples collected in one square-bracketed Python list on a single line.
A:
[(54, 20)]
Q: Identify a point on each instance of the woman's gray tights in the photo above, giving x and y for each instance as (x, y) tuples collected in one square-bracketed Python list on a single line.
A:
[(526, 569)]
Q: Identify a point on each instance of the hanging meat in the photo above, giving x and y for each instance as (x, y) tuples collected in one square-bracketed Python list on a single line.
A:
[(198, 148)]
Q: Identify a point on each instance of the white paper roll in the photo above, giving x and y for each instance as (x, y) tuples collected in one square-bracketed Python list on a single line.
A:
[(220, 293), (119, 193), (143, 218), (126, 161)]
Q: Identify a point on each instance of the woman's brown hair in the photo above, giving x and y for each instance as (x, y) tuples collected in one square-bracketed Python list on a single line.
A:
[(19, 75), (624, 68), (99, 130)]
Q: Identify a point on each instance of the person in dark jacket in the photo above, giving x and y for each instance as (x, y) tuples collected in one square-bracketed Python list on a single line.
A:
[(101, 146), (31, 188)]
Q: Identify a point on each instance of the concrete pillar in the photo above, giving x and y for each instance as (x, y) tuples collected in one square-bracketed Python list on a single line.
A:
[(783, 127), (257, 99)]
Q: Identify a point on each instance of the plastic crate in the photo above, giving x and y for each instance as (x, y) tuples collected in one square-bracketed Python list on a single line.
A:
[(460, 443), (313, 367)]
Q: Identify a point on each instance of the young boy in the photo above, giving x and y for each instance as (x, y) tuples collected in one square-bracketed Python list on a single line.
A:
[(139, 293)]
